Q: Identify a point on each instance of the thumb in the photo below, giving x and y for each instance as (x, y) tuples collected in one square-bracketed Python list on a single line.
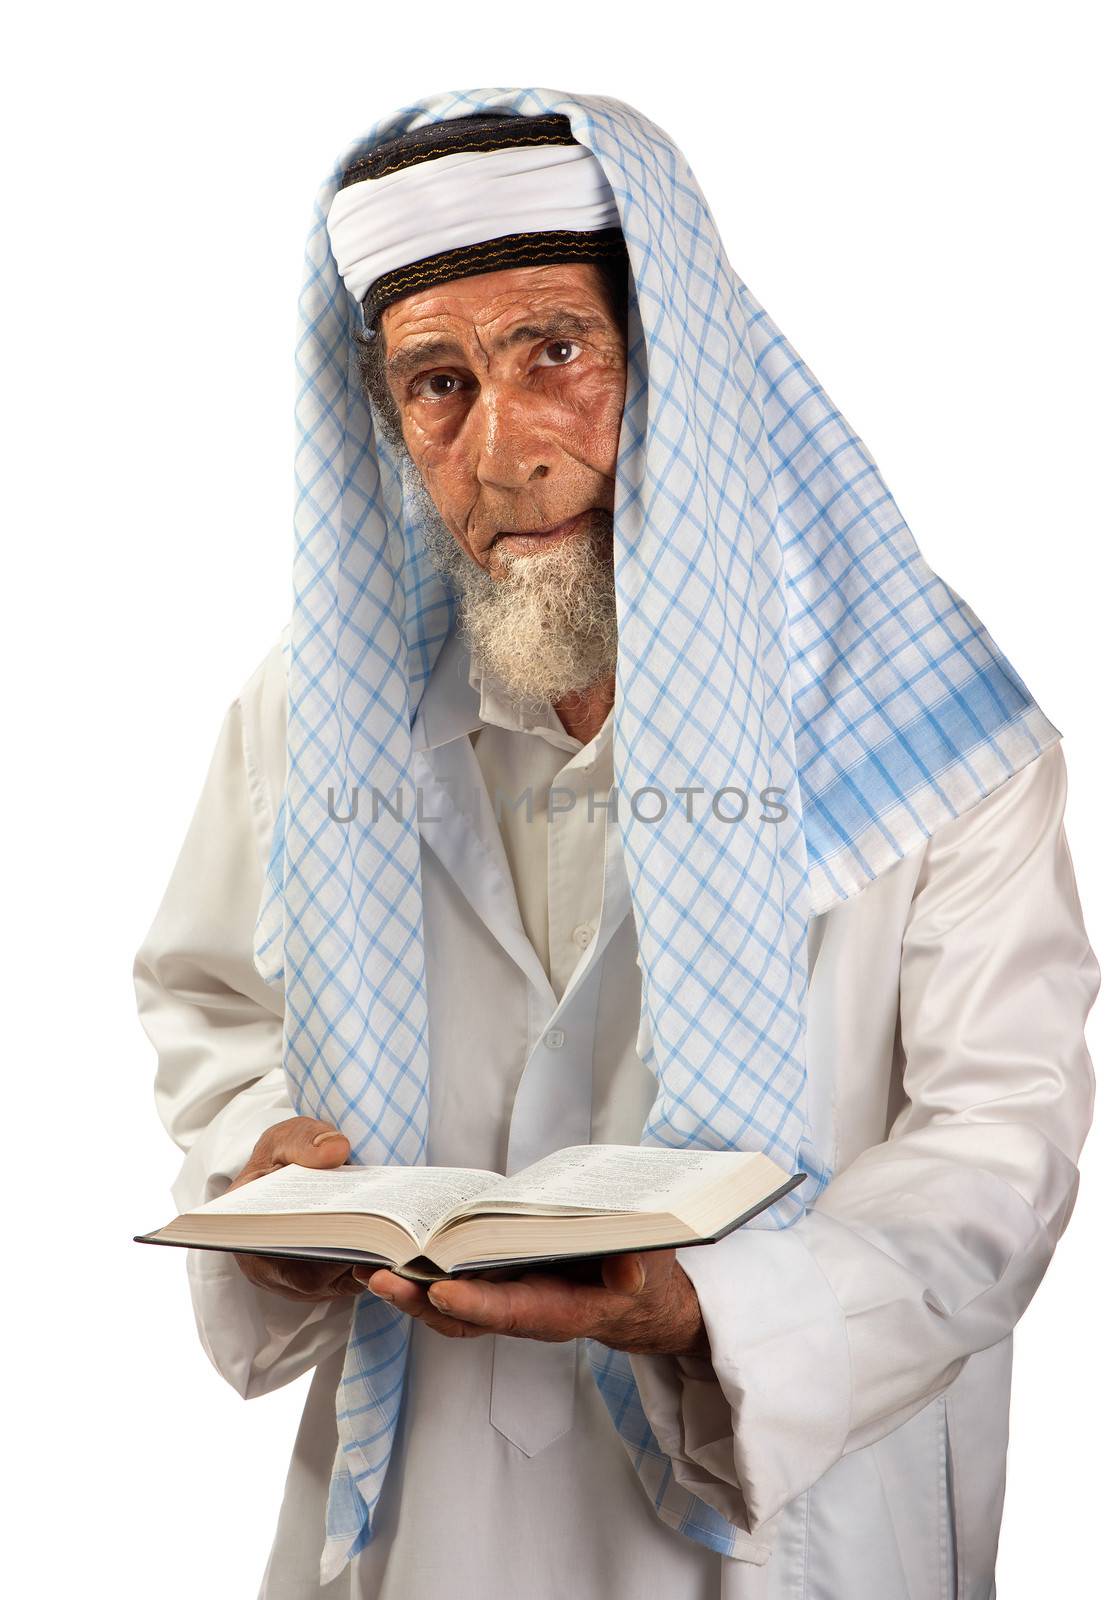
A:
[(300, 1139), (313, 1144)]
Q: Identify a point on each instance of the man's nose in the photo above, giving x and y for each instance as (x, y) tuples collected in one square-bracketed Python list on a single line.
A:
[(513, 446)]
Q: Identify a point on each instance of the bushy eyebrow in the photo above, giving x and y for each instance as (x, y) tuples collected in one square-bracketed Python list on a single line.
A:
[(435, 347)]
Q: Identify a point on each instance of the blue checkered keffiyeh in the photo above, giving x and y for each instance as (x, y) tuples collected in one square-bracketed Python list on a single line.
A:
[(777, 626)]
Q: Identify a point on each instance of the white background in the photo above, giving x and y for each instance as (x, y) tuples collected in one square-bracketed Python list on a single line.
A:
[(913, 193)]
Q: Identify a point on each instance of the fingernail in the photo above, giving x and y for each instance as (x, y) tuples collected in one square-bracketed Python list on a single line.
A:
[(379, 1295), (331, 1134), (642, 1278), (435, 1297)]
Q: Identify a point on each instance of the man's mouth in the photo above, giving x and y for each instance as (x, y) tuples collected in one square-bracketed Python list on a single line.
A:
[(527, 539)]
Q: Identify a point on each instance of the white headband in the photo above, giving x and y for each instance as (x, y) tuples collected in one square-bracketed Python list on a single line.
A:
[(380, 224)]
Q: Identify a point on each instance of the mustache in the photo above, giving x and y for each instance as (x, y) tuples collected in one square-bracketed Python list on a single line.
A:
[(456, 565), (418, 498), (548, 525), (593, 544)]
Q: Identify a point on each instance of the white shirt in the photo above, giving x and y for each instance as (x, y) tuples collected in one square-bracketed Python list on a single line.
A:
[(852, 1419)]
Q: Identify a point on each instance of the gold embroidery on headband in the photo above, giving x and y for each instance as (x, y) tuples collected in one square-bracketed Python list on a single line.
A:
[(510, 249), (445, 150), (457, 138)]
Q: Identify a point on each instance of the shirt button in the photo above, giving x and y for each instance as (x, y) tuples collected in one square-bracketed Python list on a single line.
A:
[(582, 935), (555, 1039)]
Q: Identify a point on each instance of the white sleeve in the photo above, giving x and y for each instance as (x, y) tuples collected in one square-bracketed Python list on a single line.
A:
[(929, 1246), (217, 1028)]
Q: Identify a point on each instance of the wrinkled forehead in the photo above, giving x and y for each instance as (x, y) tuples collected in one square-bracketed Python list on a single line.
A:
[(498, 311), (471, 197)]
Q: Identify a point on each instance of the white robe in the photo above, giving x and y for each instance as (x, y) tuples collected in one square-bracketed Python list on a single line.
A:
[(852, 1420)]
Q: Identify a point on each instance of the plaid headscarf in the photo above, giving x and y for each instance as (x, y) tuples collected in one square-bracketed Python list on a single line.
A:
[(778, 627)]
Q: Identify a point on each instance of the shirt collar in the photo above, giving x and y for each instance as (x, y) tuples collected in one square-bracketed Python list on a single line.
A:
[(459, 698)]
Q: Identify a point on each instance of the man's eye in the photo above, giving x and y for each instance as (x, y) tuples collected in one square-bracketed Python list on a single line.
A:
[(430, 386), (562, 352)]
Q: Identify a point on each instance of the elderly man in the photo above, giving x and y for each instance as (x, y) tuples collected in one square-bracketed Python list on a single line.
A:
[(624, 775)]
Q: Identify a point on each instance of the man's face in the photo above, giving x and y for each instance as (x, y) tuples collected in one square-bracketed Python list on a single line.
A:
[(510, 389)]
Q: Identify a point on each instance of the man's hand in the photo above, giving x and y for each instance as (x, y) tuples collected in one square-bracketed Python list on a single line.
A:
[(309, 1144), (643, 1303)]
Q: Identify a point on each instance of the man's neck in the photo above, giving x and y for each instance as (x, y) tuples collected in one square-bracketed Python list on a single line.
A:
[(582, 713)]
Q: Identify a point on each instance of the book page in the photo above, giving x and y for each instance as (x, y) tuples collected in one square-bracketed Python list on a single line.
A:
[(415, 1197), (609, 1177)]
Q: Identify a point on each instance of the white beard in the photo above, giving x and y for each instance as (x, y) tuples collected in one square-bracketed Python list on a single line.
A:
[(547, 628)]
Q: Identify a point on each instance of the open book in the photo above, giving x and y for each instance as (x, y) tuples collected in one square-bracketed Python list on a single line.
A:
[(429, 1222)]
